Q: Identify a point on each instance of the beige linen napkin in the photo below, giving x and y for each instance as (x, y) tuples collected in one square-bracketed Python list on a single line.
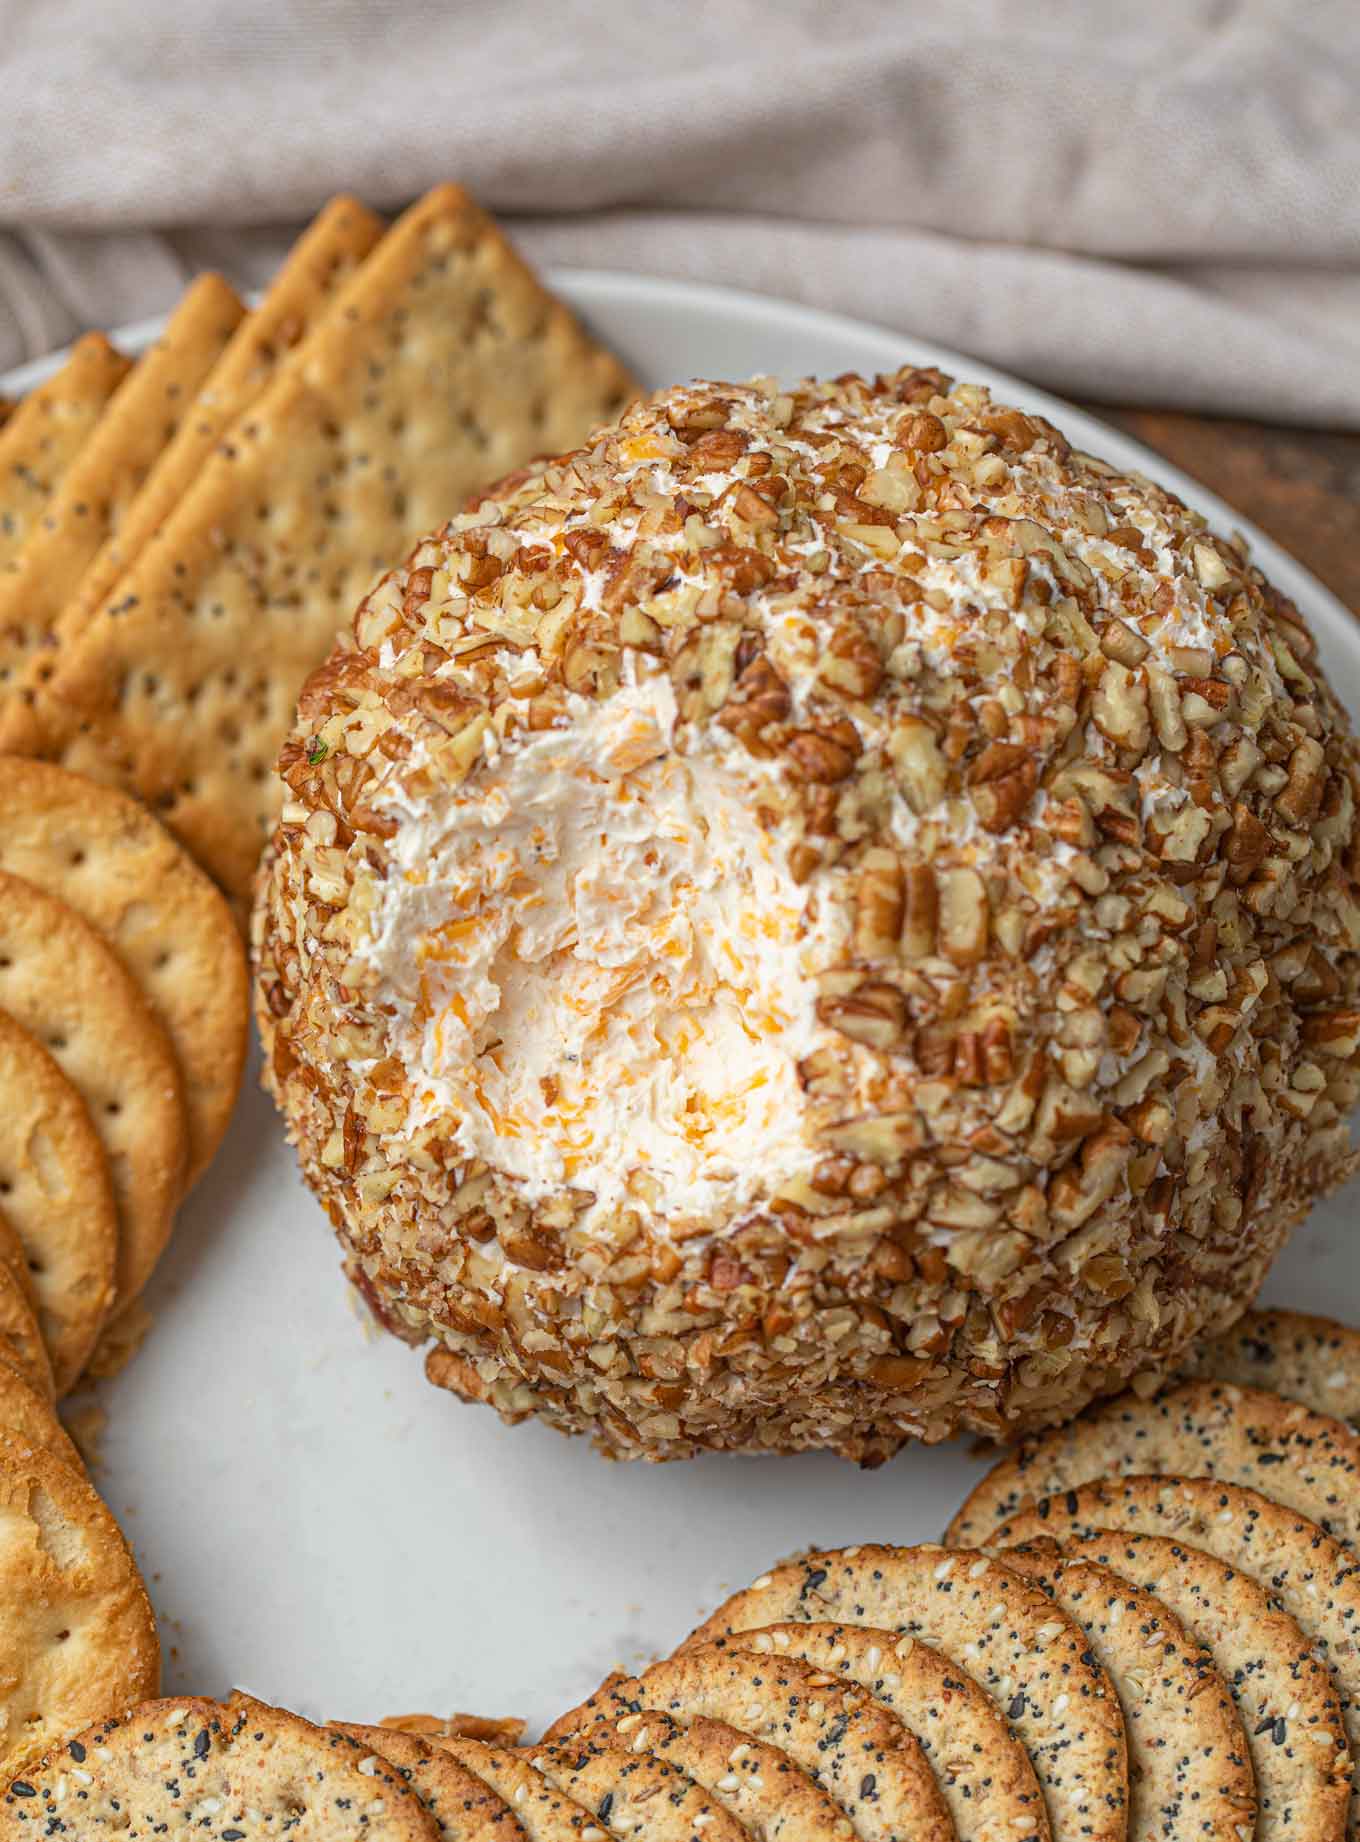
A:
[(1155, 203)]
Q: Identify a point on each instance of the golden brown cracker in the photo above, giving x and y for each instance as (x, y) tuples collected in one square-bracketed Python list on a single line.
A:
[(21, 1340), (79, 1633), (441, 364), (317, 266), (56, 1191), (636, 1793), (115, 864), (104, 479), (30, 1415), (45, 433), (63, 984), (1303, 1358)]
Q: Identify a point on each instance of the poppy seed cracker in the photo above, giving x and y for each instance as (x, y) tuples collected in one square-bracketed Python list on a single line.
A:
[(1009, 1637), (1301, 1459)]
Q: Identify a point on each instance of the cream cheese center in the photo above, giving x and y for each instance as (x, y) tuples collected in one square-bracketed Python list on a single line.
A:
[(602, 968)]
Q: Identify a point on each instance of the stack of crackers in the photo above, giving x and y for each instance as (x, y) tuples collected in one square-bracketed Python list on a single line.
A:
[(182, 539), (1143, 1626)]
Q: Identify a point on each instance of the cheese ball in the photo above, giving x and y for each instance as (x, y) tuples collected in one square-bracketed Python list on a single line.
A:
[(825, 918)]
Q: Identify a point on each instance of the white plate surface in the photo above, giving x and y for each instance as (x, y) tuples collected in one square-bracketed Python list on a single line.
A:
[(320, 1526)]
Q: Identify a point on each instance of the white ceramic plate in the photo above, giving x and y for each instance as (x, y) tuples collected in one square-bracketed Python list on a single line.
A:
[(319, 1525)]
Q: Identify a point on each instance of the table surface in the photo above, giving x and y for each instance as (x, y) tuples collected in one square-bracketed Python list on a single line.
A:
[(1301, 486)]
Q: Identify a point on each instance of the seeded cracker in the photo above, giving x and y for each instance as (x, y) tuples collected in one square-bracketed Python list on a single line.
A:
[(759, 1784), (109, 859), (106, 476), (1285, 1696), (985, 1773), (441, 364), (545, 1813), (463, 1807), (1302, 1358), (860, 1754), (1313, 1577), (61, 982), (79, 1634), (985, 1619), (46, 432), (812, 765), (1190, 1773), (58, 1198), (1303, 1460), (240, 1773), (314, 270), (635, 1793)]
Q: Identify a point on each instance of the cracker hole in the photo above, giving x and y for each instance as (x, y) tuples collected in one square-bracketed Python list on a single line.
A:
[(113, 1108), (161, 961), (75, 859), (57, 1043)]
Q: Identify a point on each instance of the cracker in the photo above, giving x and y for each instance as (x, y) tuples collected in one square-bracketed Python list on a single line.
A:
[(21, 1340), (1285, 1697), (633, 1792), (316, 266), (46, 432), (30, 1415), (441, 364), (544, 1813), (988, 1621), (105, 477), (61, 982), (462, 1806), (858, 1752), (79, 1634), (985, 1773), (1303, 1460), (1314, 1578), (1290, 1353), (240, 1773), (1190, 1773), (13, 1257), (761, 1786), (55, 1185), (115, 864)]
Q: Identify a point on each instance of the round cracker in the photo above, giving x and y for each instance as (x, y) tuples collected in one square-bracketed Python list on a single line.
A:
[(54, 1182), (13, 1257), (31, 1416), (1286, 1698), (1190, 1772), (987, 1621), (1290, 1353), (861, 1755), (985, 1773), (545, 1813), (118, 867), (241, 1773), (1314, 1578), (20, 1337), (633, 1792), (79, 1633), (1304, 1460), (464, 1808), (66, 987), (761, 1786)]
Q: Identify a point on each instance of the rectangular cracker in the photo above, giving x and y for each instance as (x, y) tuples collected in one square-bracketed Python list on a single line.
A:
[(319, 263), (442, 365), (46, 431), (108, 473)]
